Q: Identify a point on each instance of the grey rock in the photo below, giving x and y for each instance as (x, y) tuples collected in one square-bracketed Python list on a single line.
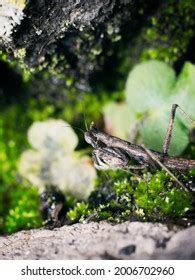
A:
[(101, 241)]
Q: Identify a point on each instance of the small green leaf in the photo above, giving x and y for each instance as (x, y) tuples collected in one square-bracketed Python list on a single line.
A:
[(149, 85), (154, 129), (184, 92), (151, 90)]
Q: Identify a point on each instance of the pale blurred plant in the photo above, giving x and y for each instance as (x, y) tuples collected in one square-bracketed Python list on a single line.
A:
[(53, 161)]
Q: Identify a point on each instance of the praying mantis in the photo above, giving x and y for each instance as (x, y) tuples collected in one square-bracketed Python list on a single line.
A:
[(111, 152)]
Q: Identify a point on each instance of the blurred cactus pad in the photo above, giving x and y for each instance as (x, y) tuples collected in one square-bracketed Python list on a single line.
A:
[(65, 64), (151, 89)]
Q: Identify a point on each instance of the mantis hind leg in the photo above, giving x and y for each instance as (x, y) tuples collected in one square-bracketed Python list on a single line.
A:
[(168, 136)]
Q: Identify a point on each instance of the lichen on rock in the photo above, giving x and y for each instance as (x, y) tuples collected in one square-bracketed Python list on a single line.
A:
[(11, 14)]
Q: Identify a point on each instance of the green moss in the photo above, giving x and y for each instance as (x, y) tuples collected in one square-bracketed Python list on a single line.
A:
[(20, 53), (19, 207), (154, 197), (169, 32), (79, 212), (17, 64), (159, 195), (3, 56), (24, 209)]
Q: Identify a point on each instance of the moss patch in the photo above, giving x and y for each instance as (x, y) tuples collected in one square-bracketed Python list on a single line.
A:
[(155, 197)]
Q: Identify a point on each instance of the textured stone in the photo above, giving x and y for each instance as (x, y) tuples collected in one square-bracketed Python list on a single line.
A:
[(101, 241)]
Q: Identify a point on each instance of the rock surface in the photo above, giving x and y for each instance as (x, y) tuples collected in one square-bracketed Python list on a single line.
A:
[(101, 241)]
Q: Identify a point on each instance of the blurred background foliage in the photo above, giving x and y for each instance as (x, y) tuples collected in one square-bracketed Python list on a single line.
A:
[(53, 89)]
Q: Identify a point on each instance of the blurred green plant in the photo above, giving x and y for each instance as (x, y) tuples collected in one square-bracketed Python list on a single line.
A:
[(19, 205), (151, 89), (23, 209)]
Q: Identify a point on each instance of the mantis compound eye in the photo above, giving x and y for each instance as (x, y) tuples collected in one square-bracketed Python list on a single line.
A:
[(90, 139)]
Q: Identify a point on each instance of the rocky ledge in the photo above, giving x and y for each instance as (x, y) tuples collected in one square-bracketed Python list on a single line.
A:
[(133, 240)]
